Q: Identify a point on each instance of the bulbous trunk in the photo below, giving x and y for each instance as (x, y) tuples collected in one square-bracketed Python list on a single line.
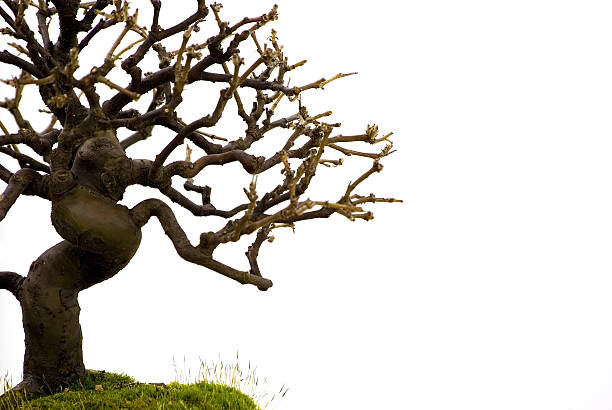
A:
[(101, 238)]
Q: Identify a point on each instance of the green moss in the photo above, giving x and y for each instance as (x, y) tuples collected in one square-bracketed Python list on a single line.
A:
[(108, 381), (103, 390)]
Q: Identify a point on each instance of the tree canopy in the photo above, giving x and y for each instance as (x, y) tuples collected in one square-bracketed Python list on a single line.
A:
[(115, 94)]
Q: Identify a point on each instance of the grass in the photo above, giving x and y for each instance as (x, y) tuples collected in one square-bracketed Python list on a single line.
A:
[(217, 387), (231, 374)]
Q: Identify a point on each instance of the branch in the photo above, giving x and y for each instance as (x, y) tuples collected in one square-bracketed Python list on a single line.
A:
[(129, 65), (200, 255), (41, 144), (195, 137), (136, 137), (140, 175), (69, 27), (320, 83), (376, 167), (319, 213), (43, 27), (205, 209), (6, 57), (90, 15), (102, 24), (5, 174), (145, 132), (19, 182), (11, 281), (25, 159), (187, 169), (35, 51), (195, 73), (156, 9), (207, 121), (253, 250), (167, 75), (249, 82), (8, 18)]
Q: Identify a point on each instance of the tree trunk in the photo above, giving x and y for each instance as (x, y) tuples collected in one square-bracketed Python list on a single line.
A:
[(101, 238), (53, 339), (49, 302)]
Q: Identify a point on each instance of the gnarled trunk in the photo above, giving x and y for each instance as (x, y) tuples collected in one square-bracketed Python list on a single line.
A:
[(53, 339), (100, 238), (49, 302)]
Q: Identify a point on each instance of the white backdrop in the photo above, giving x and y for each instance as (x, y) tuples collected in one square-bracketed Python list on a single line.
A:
[(488, 288)]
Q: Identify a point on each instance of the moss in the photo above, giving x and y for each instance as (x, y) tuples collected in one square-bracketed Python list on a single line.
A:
[(103, 390), (108, 381)]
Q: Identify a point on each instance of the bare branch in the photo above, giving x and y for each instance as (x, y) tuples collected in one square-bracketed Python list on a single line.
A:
[(19, 182), (156, 9), (5, 174), (248, 82), (69, 27), (157, 35), (376, 167), (25, 159), (6, 57), (253, 252), (90, 15), (43, 27), (320, 213), (201, 254), (188, 169), (207, 121), (102, 24), (360, 199), (11, 281), (194, 136), (167, 75), (205, 209), (319, 83), (136, 137), (110, 84), (41, 144)]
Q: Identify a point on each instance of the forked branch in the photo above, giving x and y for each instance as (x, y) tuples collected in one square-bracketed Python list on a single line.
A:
[(200, 255)]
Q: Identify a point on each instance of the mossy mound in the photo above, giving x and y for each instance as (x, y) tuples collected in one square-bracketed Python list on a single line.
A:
[(104, 390)]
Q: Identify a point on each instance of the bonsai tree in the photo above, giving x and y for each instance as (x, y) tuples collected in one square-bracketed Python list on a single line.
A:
[(97, 112)]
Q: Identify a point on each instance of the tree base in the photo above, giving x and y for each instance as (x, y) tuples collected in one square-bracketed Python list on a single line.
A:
[(29, 388)]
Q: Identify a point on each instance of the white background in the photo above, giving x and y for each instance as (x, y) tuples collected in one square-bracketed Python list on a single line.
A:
[(488, 288)]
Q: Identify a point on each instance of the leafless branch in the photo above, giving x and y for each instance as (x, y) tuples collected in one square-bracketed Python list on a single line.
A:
[(19, 182), (201, 254), (8, 58), (11, 281), (25, 159)]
